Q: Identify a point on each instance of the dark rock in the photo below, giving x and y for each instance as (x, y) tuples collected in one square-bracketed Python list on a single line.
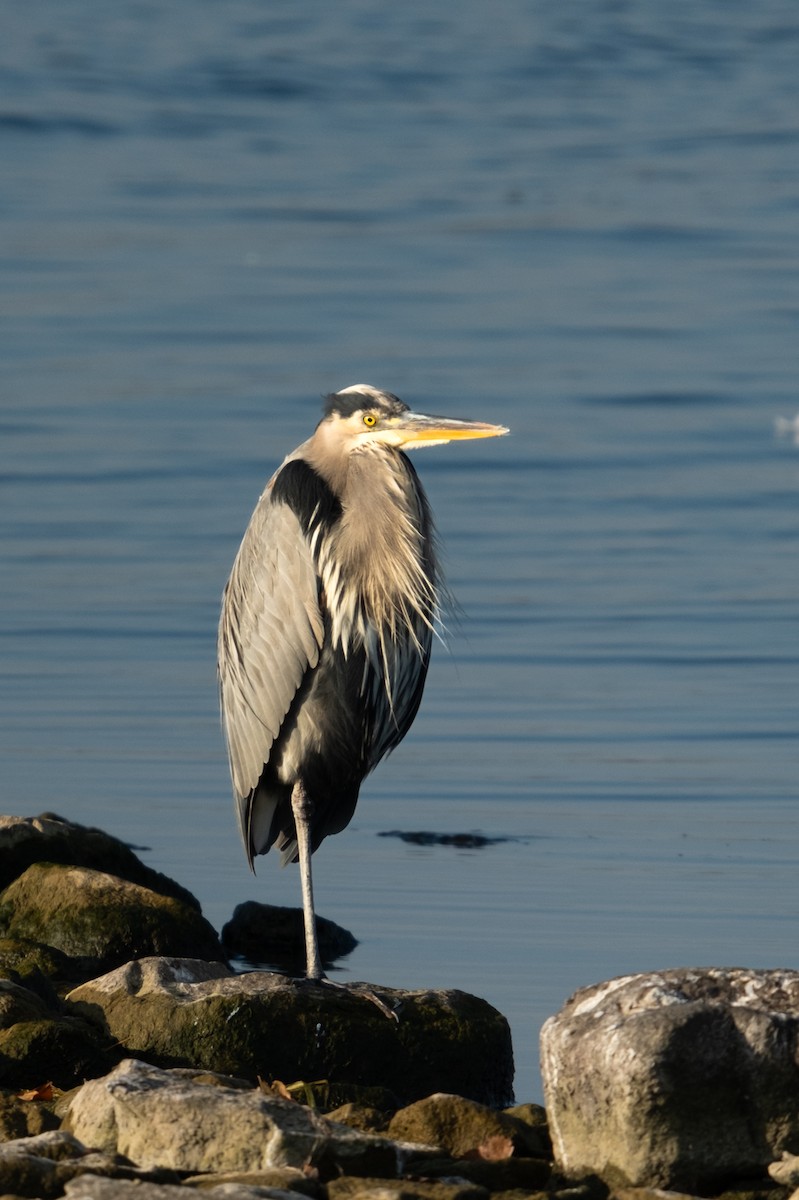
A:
[(101, 920), (682, 1079), (39, 1044), (172, 1012), (268, 935), (58, 1049), (49, 838), (461, 841), (504, 1175), (533, 1129), (24, 1118), (34, 965)]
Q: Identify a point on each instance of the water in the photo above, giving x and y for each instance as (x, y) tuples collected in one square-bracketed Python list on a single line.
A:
[(579, 220)]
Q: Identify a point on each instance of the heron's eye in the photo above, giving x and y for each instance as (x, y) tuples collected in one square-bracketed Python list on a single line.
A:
[(369, 420)]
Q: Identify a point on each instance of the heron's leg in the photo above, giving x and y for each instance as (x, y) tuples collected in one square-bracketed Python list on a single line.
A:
[(302, 807)]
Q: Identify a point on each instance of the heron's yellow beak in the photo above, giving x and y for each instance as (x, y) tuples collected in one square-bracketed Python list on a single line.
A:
[(415, 429)]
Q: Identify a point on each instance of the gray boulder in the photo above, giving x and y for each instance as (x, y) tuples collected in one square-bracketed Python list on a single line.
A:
[(176, 1120), (683, 1079), (175, 1012), (101, 920)]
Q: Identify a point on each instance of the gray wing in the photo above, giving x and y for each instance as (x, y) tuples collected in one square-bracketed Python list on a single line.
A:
[(270, 635)]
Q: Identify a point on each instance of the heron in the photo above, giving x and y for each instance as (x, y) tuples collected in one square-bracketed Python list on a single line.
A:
[(327, 624)]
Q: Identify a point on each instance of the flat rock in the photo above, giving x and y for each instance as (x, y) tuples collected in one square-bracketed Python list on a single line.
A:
[(102, 920), (177, 1012), (683, 1079)]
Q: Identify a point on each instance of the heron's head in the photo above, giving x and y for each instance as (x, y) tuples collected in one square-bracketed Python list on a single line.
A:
[(361, 416)]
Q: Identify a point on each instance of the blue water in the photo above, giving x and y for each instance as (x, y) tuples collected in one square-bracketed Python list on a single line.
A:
[(579, 220)]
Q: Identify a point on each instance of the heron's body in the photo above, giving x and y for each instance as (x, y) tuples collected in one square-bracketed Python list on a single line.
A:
[(326, 626)]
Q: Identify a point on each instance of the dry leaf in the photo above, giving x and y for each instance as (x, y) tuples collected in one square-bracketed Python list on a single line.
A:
[(275, 1088), (45, 1091)]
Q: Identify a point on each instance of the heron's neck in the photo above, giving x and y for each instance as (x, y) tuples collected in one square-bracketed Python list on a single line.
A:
[(382, 542)]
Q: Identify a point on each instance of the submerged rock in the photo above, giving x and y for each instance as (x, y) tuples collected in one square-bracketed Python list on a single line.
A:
[(178, 1012), (271, 934), (100, 920), (681, 1079)]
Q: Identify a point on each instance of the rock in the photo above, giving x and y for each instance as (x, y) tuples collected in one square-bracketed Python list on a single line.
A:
[(24, 1118), (287, 1181), (786, 1171), (157, 1119), (456, 1125), (160, 1118), (681, 1079), (38, 1043), (49, 838), (42, 1166), (534, 1129), (360, 1116), (34, 965), (97, 1187), (100, 919), (170, 1012), (404, 1189), (273, 936)]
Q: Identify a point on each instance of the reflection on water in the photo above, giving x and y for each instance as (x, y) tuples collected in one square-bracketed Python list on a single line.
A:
[(581, 222)]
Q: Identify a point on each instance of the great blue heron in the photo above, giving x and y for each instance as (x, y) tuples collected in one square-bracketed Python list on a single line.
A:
[(326, 626)]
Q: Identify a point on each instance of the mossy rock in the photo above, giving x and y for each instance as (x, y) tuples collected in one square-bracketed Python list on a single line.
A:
[(50, 838), (268, 1026), (101, 920), (61, 1050)]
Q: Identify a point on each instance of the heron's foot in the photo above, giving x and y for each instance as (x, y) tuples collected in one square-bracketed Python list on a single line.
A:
[(354, 989)]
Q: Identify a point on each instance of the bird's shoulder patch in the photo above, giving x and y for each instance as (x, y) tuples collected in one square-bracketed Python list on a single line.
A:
[(306, 493)]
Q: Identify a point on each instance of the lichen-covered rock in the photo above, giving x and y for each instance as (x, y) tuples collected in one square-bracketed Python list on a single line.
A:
[(160, 1118), (272, 935), (457, 1125), (102, 920), (682, 1079), (266, 1025)]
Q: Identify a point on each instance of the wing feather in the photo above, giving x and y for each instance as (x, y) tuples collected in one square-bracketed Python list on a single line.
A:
[(270, 635)]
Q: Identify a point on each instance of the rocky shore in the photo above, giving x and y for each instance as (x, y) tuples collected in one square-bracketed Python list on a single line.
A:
[(134, 1062)]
